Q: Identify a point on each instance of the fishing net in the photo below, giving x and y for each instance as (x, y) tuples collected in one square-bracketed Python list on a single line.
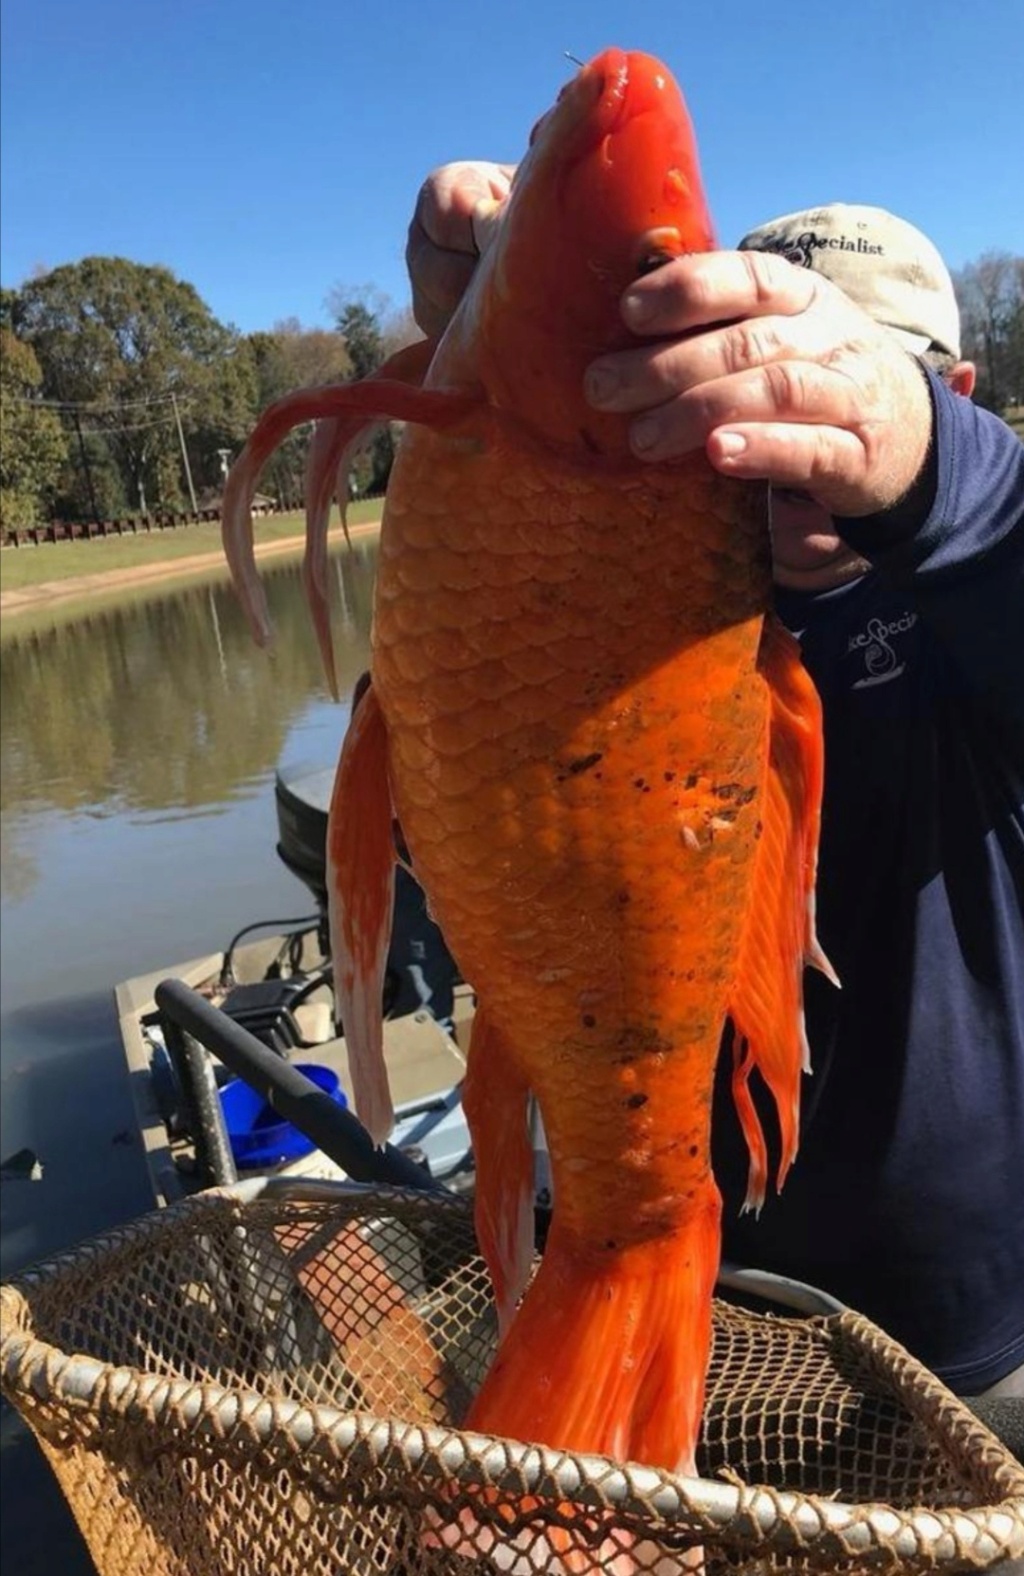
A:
[(272, 1380)]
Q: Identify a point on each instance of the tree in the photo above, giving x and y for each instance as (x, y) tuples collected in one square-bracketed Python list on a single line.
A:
[(286, 358), (123, 344), (990, 292), (360, 328), (33, 449), (308, 356), (358, 314)]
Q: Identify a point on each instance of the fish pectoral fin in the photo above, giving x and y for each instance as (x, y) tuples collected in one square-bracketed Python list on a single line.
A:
[(766, 1004), (361, 892), (335, 443), (495, 1098), (333, 446), (392, 393)]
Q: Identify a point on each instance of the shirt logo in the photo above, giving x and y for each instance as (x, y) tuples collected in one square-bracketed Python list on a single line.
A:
[(875, 643)]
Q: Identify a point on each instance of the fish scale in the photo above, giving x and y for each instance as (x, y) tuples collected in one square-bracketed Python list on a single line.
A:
[(602, 843)]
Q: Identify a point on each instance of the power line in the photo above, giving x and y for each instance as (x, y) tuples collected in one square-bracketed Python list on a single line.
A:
[(140, 426), (93, 407)]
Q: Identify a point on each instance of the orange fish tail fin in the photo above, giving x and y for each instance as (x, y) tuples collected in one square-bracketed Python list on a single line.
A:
[(778, 939), (495, 1098), (361, 889), (609, 1349), (334, 446)]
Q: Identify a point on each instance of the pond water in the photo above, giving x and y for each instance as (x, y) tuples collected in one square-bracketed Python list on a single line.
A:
[(137, 830)]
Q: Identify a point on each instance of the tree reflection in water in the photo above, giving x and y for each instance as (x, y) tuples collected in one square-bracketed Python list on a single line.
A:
[(164, 703)]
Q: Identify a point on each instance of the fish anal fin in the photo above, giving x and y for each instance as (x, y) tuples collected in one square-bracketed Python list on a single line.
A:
[(335, 443), (495, 1098), (766, 1003), (609, 1349), (361, 887)]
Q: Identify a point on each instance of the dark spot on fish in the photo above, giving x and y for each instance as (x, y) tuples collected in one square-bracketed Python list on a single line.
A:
[(727, 814), (758, 829), (691, 781), (727, 790), (639, 783), (590, 441), (635, 1101), (589, 1021), (584, 763), (610, 1243), (626, 1059), (747, 795), (623, 898), (670, 777), (693, 1151)]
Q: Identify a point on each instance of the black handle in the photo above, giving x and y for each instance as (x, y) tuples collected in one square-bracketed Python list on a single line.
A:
[(333, 1129)]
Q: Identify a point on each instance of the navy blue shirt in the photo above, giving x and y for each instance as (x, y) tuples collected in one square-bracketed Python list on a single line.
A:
[(907, 1196)]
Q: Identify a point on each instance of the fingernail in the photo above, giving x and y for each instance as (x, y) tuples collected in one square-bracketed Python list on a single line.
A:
[(484, 223), (645, 434), (602, 383), (731, 444), (637, 309)]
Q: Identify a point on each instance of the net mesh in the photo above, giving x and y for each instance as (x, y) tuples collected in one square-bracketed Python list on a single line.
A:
[(276, 1383)]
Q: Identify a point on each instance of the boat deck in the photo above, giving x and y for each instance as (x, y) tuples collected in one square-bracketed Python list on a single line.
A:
[(424, 1062)]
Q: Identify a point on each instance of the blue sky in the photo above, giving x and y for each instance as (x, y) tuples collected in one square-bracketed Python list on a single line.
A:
[(269, 151)]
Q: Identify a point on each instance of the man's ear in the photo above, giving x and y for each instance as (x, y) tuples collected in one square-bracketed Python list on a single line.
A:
[(962, 378)]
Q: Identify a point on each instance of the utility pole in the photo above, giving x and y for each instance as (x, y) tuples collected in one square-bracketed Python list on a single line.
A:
[(184, 455), (85, 467)]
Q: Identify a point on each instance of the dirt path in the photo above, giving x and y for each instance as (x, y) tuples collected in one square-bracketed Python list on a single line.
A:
[(49, 592)]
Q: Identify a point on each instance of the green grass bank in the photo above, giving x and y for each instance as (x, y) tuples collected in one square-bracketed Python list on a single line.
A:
[(24, 567)]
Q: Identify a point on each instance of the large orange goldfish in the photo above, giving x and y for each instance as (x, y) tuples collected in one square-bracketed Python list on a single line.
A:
[(606, 761)]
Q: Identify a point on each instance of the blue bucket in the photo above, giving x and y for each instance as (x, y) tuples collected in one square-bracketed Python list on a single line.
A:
[(259, 1135)]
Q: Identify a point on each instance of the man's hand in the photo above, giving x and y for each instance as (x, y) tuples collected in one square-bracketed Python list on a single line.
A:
[(766, 366), (776, 374), (448, 232)]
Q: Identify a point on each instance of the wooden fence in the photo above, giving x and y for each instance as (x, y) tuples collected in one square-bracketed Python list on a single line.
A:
[(129, 525)]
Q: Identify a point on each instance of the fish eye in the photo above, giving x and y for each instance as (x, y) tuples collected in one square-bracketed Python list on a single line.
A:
[(658, 246), (652, 260)]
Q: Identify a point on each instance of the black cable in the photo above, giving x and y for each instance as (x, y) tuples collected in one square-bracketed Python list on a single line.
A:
[(307, 922)]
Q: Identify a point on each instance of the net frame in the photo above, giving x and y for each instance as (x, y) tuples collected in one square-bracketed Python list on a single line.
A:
[(270, 1378)]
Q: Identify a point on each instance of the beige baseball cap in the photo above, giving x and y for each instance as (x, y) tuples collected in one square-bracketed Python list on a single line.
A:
[(888, 268)]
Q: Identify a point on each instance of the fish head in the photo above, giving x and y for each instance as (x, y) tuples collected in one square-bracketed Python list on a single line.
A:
[(609, 189)]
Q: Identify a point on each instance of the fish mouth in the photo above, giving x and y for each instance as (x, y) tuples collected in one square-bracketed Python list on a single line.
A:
[(601, 98), (606, 82), (605, 95)]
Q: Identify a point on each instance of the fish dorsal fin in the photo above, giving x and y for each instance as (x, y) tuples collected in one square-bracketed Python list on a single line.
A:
[(778, 936), (392, 393)]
